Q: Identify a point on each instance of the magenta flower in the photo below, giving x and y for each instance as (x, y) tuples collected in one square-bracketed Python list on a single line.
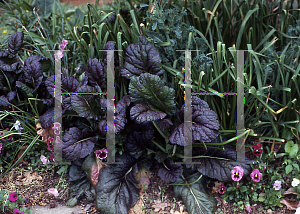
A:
[(0, 147), (16, 211), (101, 154), (2, 133), (277, 185), (50, 139), (222, 189), (13, 196), (237, 173), (248, 209), (256, 175), (56, 128)]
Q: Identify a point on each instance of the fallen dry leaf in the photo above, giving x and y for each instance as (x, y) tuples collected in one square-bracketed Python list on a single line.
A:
[(138, 208), (45, 133), (290, 191), (29, 178), (290, 205), (143, 177), (158, 205), (215, 189)]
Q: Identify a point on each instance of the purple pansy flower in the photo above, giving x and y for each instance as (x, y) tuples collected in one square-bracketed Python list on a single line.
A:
[(277, 185), (59, 55), (256, 175), (0, 147), (57, 141), (248, 209), (237, 173)]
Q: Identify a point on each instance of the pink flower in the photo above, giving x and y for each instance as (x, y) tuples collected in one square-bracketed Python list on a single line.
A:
[(222, 189), (101, 154), (63, 44), (57, 141), (53, 192), (56, 128), (13, 196), (50, 139), (248, 209), (0, 147), (237, 173), (44, 159), (59, 55), (256, 175)]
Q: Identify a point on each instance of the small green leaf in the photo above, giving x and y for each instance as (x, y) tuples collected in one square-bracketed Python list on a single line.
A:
[(291, 148), (72, 202), (261, 199), (296, 166), (288, 169)]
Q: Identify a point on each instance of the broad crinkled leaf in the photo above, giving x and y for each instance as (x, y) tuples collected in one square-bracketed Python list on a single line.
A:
[(137, 142), (85, 105), (219, 168), (10, 68), (164, 124), (96, 74), (77, 144), (34, 74), (47, 118), (204, 127), (120, 107), (172, 173), (141, 58), (150, 90), (24, 88), (116, 190), (9, 97), (194, 197), (15, 42), (142, 113), (119, 122), (75, 172), (69, 84)]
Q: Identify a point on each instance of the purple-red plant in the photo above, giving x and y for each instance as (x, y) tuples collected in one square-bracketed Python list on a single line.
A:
[(257, 149)]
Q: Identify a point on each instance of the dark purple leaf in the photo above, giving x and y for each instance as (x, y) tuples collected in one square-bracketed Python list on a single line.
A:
[(219, 168), (204, 127), (142, 113), (119, 122), (10, 68), (85, 105), (47, 118), (11, 95), (30, 59), (137, 142), (150, 90), (172, 173), (15, 42), (141, 58), (69, 84), (164, 124), (116, 189), (34, 74), (76, 145), (96, 74), (4, 101)]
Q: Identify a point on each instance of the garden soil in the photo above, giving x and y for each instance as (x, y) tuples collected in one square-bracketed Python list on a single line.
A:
[(157, 199)]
